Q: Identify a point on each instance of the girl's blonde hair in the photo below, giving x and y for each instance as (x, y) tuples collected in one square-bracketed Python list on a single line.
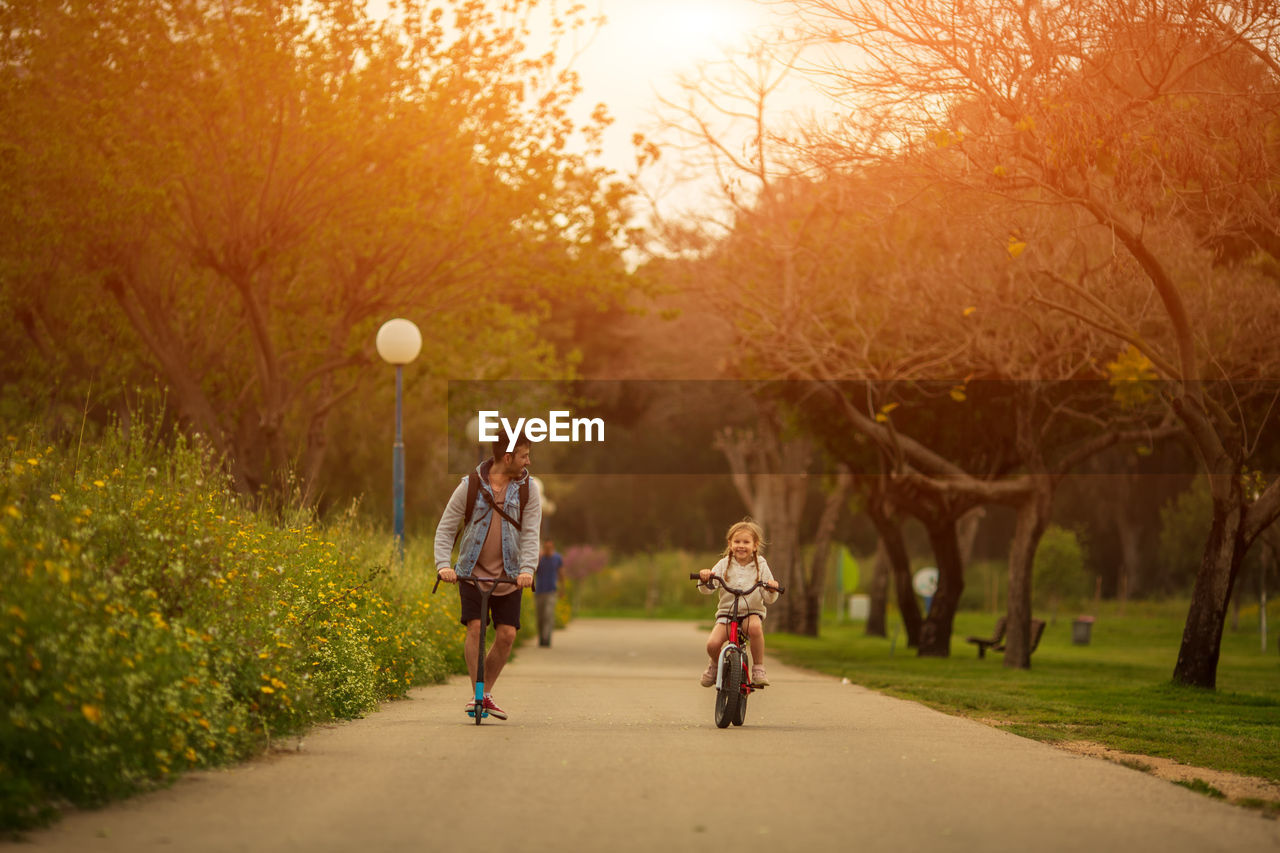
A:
[(739, 526)]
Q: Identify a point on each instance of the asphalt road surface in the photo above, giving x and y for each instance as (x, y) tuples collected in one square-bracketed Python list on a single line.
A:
[(611, 745)]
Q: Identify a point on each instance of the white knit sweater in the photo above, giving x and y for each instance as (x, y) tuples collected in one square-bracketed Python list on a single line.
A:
[(741, 576)]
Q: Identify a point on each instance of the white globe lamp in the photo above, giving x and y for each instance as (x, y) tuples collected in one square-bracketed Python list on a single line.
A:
[(399, 343)]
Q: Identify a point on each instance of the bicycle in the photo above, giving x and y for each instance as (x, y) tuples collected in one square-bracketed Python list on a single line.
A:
[(733, 666), (477, 710)]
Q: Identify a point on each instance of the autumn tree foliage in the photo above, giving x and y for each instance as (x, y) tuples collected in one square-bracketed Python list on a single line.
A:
[(1026, 191), (1151, 126), (889, 300), (232, 196)]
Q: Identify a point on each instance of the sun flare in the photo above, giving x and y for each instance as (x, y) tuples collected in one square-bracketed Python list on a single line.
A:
[(686, 31)]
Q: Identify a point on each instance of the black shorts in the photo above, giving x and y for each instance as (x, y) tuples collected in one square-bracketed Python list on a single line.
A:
[(503, 609)]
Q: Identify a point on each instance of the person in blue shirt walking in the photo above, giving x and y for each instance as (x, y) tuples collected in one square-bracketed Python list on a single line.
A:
[(545, 595)]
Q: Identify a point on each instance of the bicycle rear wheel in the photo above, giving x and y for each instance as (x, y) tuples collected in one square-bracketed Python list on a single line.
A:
[(729, 696)]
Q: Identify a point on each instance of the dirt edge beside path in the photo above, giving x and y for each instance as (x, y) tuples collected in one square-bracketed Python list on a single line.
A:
[(1235, 787)]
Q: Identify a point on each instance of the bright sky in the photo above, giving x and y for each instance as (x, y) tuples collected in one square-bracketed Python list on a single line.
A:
[(644, 46), (646, 43), (639, 53)]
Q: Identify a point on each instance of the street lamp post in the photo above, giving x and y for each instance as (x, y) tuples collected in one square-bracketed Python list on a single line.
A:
[(399, 343)]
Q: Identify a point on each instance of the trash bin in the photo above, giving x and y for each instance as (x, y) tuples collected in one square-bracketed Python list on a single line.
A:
[(1081, 628)]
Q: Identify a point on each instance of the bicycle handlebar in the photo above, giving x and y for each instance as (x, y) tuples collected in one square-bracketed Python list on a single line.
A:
[(474, 581), (715, 579)]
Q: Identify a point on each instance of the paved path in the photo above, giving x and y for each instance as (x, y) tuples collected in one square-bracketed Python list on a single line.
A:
[(611, 746)]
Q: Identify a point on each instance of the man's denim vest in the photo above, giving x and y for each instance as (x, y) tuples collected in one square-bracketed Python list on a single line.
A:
[(473, 535)]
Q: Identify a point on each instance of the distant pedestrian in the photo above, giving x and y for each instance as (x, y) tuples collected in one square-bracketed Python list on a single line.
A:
[(546, 590), (740, 567), (508, 549)]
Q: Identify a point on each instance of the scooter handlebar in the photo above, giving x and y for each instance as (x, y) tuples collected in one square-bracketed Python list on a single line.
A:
[(474, 581)]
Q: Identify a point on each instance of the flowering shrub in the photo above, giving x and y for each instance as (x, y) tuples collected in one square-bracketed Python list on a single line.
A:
[(150, 623), (582, 561), (564, 604)]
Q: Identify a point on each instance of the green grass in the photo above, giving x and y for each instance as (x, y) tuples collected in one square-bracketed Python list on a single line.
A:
[(1116, 691), (1202, 787)]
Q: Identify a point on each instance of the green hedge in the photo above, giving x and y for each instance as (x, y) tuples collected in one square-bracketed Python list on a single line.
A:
[(151, 623)]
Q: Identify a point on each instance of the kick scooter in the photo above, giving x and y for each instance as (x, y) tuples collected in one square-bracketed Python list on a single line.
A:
[(486, 587)]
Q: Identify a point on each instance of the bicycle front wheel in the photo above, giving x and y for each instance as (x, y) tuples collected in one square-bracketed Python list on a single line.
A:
[(729, 696), (740, 716)]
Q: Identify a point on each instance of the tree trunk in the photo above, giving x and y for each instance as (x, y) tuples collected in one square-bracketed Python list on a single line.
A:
[(908, 607), (935, 634), (1197, 664), (1130, 535), (1128, 531), (808, 610), (889, 526), (879, 605), (967, 532), (1032, 519), (783, 501)]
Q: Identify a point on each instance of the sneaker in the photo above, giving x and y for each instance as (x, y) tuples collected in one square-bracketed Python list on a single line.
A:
[(758, 676), (709, 677), (493, 709), (470, 708)]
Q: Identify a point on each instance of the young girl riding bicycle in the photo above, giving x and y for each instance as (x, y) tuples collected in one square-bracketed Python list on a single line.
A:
[(740, 567)]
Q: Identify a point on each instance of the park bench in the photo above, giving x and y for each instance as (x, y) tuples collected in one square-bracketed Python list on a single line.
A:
[(996, 641), (996, 638)]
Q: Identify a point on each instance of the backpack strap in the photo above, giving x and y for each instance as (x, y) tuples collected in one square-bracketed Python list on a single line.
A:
[(500, 511), (473, 489), (473, 492)]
